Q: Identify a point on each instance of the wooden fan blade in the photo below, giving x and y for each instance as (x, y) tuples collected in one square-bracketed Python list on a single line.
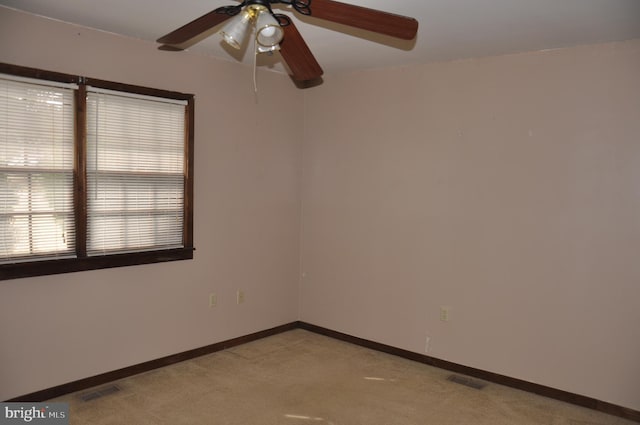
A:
[(377, 21), (296, 54), (170, 48), (195, 27)]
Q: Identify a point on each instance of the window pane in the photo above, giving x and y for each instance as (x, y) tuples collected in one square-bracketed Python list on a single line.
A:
[(135, 174), (36, 172)]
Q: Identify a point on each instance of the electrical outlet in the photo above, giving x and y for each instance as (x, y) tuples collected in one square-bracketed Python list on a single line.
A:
[(213, 300), (240, 296), (427, 345), (445, 313)]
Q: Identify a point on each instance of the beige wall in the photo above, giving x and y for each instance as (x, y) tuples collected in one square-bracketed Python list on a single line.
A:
[(507, 188), (61, 328)]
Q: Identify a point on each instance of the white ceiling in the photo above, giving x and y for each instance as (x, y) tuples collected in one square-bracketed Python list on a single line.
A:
[(449, 29)]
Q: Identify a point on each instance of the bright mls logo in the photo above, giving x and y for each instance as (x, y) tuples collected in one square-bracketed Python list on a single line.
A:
[(34, 413)]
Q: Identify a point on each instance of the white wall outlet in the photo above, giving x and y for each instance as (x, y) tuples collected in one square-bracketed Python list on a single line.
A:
[(240, 296), (213, 300), (445, 313), (427, 345)]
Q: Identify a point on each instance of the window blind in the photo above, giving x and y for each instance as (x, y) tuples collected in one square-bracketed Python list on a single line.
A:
[(135, 173), (36, 170)]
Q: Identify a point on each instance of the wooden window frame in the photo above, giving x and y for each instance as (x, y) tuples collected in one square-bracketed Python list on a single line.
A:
[(83, 262)]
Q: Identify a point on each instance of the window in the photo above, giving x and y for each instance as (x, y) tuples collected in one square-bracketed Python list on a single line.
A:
[(135, 172), (36, 163), (93, 174)]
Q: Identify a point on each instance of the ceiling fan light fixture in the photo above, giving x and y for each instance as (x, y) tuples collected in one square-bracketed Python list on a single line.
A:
[(269, 33), (272, 29), (267, 49), (235, 32)]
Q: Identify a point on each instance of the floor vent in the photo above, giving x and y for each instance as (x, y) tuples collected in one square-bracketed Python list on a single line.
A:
[(463, 380), (100, 392)]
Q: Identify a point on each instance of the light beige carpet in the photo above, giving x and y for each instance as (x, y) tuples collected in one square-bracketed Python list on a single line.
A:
[(300, 378)]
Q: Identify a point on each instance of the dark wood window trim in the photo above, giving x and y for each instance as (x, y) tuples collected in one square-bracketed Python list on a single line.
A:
[(84, 262)]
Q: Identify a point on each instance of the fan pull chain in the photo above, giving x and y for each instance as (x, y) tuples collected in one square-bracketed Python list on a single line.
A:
[(255, 65)]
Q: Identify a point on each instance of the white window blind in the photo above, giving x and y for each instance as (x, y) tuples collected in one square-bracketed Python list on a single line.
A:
[(135, 173), (36, 170)]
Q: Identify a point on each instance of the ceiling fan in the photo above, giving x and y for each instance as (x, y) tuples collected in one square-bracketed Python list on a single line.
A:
[(276, 31)]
